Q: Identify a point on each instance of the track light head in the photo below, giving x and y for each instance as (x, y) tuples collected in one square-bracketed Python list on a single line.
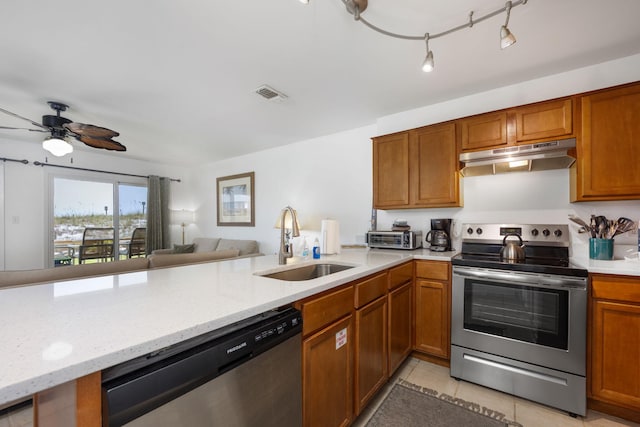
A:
[(506, 37), (427, 65)]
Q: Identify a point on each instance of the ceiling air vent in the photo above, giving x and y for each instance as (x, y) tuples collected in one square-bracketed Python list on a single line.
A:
[(270, 93)]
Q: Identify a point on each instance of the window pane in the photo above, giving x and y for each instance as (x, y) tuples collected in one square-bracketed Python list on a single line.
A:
[(133, 203), (77, 205)]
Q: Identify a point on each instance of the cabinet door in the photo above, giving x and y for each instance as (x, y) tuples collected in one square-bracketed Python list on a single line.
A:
[(615, 367), (483, 131), (400, 316), (327, 376), (544, 120), (433, 317), (609, 152), (435, 179), (391, 171), (371, 351)]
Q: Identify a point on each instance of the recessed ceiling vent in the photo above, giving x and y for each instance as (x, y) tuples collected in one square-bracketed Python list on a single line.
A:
[(270, 93)]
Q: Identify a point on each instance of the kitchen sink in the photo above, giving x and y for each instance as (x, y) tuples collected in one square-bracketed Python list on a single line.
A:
[(306, 272)]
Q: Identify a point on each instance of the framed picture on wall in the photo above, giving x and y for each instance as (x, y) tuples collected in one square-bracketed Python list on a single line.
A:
[(235, 200)]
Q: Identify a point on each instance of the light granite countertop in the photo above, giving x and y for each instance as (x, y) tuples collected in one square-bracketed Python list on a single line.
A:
[(56, 332)]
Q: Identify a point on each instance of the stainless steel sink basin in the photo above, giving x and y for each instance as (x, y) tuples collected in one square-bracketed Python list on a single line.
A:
[(307, 272)]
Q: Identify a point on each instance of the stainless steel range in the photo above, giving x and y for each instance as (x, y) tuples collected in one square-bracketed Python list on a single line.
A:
[(519, 314)]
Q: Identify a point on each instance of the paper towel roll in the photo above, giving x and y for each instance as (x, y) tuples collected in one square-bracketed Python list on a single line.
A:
[(330, 232)]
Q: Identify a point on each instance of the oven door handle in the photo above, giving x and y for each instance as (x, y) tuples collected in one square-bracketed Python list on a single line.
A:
[(524, 278)]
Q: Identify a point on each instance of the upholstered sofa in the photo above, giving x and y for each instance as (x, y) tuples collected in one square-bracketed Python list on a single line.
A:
[(212, 244), (210, 250)]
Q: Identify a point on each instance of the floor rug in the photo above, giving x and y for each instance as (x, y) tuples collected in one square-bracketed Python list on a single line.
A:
[(410, 405)]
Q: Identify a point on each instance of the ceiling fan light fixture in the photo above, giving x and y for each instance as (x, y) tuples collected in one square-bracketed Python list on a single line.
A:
[(57, 146)]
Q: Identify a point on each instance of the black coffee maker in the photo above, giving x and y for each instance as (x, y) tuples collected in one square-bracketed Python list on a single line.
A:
[(439, 237)]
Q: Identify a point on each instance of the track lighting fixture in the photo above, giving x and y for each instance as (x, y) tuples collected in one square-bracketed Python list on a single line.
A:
[(506, 38), (356, 7), (427, 65)]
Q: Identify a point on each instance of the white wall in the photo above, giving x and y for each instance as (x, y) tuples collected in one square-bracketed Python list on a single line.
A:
[(327, 177), (332, 176)]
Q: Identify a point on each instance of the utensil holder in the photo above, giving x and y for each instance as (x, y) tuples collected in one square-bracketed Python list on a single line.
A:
[(601, 249)]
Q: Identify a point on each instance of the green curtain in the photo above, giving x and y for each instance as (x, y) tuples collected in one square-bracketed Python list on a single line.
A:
[(158, 213)]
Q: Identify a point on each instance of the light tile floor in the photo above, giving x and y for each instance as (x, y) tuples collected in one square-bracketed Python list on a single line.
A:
[(525, 412)]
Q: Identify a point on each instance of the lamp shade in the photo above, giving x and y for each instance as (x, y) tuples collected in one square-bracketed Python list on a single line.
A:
[(57, 146), (182, 217), (287, 221)]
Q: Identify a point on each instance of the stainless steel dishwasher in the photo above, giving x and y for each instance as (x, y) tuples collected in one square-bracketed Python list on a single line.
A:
[(245, 374)]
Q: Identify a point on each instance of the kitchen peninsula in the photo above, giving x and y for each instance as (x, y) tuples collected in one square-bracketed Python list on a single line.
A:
[(61, 331)]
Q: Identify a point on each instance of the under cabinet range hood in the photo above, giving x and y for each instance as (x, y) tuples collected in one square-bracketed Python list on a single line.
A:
[(558, 154)]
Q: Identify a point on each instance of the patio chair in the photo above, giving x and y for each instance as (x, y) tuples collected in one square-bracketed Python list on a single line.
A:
[(97, 244), (138, 243)]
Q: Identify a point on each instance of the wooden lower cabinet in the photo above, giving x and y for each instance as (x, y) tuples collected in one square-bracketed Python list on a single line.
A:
[(327, 375), (614, 342), (371, 351), (433, 308), (400, 325)]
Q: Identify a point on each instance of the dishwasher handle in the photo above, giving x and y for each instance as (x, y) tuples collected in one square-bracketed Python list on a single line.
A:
[(136, 393)]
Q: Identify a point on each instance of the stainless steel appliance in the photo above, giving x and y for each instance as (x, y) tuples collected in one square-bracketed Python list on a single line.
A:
[(246, 374), (519, 158), (395, 239), (519, 325), (439, 237)]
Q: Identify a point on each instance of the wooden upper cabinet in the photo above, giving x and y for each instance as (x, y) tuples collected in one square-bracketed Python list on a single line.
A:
[(416, 169), (483, 131), (544, 120), (391, 171), (434, 178), (609, 149)]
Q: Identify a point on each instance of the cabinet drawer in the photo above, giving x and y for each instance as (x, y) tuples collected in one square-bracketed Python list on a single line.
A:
[(438, 270), (400, 274), (618, 288), (321, 311), (370, 289)]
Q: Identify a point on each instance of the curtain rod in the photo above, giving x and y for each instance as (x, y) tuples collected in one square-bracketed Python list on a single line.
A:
[(23, 161), (36, 163)]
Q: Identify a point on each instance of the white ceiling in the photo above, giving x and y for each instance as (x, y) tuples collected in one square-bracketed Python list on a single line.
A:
[(177, 78)]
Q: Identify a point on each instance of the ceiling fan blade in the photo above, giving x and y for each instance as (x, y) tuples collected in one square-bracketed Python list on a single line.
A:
[(32, 130), (90, 130), (36, 124), (106, 144)]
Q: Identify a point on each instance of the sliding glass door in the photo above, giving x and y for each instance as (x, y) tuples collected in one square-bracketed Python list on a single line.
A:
[(94, 220)]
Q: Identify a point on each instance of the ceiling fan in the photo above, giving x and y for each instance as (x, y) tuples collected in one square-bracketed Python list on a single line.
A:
[(60, 127)]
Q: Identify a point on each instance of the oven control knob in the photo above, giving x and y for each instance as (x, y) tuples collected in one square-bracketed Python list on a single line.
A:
[(479, 230), (557, 233), (469, 230), (535, 232), (546, 232)]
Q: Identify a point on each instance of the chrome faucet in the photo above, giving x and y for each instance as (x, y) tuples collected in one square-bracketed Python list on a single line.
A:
[(286, 248)]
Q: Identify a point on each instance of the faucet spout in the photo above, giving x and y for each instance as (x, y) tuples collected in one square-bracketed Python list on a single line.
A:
[(286, 248)]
